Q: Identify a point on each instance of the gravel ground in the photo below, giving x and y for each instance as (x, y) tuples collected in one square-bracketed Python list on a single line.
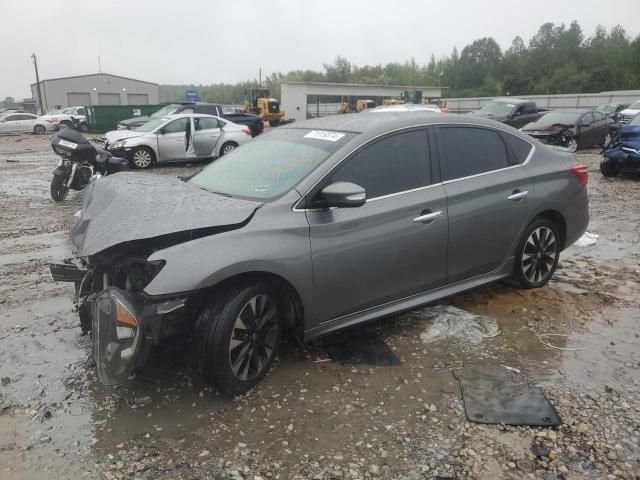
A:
[(313, 419)]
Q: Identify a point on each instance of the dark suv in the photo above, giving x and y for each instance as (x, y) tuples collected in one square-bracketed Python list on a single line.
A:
[(254, 122), (313, 228)]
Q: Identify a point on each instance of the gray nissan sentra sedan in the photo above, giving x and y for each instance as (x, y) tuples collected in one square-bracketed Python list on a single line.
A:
[(314, 227)]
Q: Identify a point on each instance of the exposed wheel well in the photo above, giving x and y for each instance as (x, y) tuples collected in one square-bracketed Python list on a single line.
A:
[(559, 221), (288, 295)]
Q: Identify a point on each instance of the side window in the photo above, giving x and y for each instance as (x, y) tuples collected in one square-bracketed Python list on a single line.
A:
[(597, 116), (530, 108), (12, 118), (80, 111), (208, 109), (519, 148), (586, 119), (519, 110), (469, 151), (206, 123), (179, 125), (393, 164)]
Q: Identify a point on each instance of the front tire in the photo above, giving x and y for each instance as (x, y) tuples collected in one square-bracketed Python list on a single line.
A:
[(537, 255), (39, 130), (228, 148), (58, 189), (608, 168), (142, 157), (238, 335), (572, 144)]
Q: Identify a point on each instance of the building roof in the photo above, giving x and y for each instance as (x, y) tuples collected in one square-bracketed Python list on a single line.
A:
[(403, 87), (94, 75)]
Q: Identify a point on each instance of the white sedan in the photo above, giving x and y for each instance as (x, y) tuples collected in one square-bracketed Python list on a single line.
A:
[(178, 137), (23, 123)]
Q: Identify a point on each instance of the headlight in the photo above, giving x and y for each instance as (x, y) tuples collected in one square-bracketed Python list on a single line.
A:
[(118, 144)]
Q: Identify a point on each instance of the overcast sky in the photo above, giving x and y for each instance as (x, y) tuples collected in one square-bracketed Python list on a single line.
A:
[(226, 41)]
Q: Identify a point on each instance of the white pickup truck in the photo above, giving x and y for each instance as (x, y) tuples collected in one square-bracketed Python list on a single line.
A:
[(63, 117), (628, 113)]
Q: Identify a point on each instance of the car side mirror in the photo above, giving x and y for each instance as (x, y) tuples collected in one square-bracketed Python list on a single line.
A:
[(344, 195), (161, 131)]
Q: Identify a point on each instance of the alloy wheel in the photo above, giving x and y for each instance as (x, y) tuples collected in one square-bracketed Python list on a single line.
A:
[(254, 337), (539, 254), (228, 148), (572, 145), (142, 158)]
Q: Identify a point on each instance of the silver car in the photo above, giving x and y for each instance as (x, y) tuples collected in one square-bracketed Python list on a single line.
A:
[(177, 137), (314, 227), (24, 123)]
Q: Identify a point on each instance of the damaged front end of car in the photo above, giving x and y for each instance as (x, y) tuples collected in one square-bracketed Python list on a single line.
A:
[(123, 222)]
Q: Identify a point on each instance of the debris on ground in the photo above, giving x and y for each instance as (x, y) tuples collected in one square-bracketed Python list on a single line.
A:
[(587, 239), (452, 323)]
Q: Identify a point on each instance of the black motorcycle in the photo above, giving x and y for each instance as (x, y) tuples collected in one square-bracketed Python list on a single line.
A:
[(80, 163)]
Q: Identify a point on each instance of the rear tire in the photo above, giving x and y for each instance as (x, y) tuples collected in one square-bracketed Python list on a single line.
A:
[(237, 336), (58, 189), (39, 130), (537, 255), (228, 148), (608, 168), (142, 157)]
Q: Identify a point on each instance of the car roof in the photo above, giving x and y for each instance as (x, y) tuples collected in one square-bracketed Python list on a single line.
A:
[(188, 115), (361, 122), (511, 100)]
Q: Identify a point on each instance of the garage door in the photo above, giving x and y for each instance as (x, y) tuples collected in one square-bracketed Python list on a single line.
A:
[(108, 99), (78, 99), (137, 98)]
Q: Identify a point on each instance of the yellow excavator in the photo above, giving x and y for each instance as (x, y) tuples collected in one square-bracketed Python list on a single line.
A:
[(259, 102), (360, 105)]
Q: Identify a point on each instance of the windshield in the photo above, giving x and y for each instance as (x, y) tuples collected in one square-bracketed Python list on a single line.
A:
[(68, 111), (166, 110), (566, 118), (607, 108), (270, 165), (635, 105), (498, 108), (151, 125)]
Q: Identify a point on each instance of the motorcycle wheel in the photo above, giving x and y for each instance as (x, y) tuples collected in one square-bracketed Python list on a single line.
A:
[(58, 189), (608, 168)]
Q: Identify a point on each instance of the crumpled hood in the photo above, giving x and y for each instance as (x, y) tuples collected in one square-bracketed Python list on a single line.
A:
[(135, 121), (115, 135), (547, 128), (133, 206), (629, 132), (485, 114)]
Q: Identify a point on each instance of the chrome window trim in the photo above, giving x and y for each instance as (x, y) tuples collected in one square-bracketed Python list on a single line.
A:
[(295, 207)]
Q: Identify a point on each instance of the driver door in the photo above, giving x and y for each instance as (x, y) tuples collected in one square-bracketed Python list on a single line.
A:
[(207, 132), (172, 140)]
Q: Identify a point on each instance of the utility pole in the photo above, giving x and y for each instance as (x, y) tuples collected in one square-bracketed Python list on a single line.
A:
[(260, 77), (35, 63), (99, 65)]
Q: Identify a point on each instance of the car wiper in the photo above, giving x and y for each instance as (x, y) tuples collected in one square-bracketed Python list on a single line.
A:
[(217, 193)]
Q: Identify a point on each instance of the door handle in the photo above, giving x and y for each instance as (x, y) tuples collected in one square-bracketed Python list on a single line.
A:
[(428, 217), (518, 195)]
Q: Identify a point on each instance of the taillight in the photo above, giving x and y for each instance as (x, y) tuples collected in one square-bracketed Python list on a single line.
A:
[(580, 171), (247, 131)]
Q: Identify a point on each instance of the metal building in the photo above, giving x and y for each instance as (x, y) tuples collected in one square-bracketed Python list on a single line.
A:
[(94, 89), (294, 94)]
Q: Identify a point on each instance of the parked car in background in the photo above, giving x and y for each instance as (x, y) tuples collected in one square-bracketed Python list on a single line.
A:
[(623, 155), (254, 122), (611, 110), (24, 123), (573, 129), (628, 113), (7, 111), (63, 118), (314, 228), (512, 111), (177, 137), (404, 108)]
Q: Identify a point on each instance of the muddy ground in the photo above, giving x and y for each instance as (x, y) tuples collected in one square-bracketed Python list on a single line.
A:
[(311, 418)]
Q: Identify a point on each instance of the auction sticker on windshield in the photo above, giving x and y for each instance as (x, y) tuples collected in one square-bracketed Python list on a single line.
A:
[(324, 135), (65, 143)]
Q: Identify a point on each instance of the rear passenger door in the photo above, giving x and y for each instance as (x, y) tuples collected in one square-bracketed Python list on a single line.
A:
[(206, 135), (395, 244), (489, 194)]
